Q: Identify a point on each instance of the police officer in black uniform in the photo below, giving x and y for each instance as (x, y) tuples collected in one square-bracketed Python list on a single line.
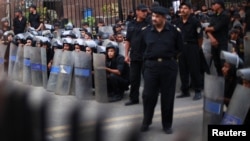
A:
[(134, 51), (189, 61), (217, 32), (163, 45)]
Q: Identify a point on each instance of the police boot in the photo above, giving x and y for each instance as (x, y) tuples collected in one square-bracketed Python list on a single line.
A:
[(197, 96)]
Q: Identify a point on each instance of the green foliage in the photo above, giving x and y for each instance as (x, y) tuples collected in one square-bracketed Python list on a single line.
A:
[(111, 9), (90, 20)]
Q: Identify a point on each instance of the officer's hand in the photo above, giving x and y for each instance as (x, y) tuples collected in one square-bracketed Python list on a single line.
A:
[(49, 65), (214, 42), (246, 37), (127, 59)]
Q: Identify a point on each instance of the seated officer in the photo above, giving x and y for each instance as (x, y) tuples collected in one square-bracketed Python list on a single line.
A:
[(244, 75), (232, 63), (117, 73)]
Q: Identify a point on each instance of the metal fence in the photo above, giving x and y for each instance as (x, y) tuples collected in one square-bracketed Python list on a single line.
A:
[(79, 11)]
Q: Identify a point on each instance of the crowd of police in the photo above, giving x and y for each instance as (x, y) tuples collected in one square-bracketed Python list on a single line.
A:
[(153, 42)]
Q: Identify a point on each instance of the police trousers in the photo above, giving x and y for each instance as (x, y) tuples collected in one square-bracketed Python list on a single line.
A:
[(190, 67), (159, 77)]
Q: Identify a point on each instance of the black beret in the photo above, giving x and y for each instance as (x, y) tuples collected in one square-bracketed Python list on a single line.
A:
[(141, 7), (160, 10), (220, 2), (32, 6), (188, 4)]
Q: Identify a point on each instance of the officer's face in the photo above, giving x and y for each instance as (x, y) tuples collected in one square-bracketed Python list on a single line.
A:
[(29, 43), (111, 53), (88, 50), (158, 19), (225, 69), (246, 83), (66, 47), (77, 48), (142, 14), (184, 10)]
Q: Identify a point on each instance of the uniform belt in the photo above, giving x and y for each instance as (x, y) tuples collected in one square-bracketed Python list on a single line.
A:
[(161, 59)]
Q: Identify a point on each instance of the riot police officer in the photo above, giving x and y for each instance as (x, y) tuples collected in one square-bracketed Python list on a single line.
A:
[(136, 49), (217, 32), (117, 73), (189, 61), (163, 45)]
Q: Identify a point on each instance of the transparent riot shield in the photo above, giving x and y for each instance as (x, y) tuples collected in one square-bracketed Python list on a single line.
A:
[(3, 49), (17, 72), (100, 78), (238, 106), (36, 67), (26, 65), (247, 50), (213, 102), (83, 75), (12, 59), (54, 71), (64, 80), (107, 29), (206, 47), (44, 66)]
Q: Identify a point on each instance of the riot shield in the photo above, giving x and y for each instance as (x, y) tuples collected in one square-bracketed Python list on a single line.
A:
[(3, 49), (247, 50), (105, 42), (100, 78), (54, 71), (213, 102), (83, 75), (36, 67), (12, 59), (107, 29), (101, 49), (64, 80), (17, 72), (206, 47), (238, 106), (44, 66), (26, 65)]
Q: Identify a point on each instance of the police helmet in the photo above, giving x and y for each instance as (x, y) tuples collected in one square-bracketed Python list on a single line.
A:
[(49, 27), (19, 36), (56, 43), (45, 41), (79, 42), (244, 73), (105, 36), (68, 33), (113, 45), (91, 44), (7, 33), (231, 58), (69, 26)]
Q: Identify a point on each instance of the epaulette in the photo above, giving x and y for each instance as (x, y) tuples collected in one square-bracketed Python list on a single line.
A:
[(177, 28)]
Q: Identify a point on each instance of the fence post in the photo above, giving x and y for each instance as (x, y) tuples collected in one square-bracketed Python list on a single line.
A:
[(120, 10)]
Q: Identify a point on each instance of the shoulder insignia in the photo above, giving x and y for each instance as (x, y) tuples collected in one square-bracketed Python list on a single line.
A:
[(143, 27), (198, 30), (178, 29)]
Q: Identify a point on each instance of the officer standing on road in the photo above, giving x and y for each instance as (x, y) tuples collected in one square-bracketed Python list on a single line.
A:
[(217, 32), (163, 45), (189, 61), (134, 51)]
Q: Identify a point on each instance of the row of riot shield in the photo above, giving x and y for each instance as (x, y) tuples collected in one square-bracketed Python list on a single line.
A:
[(28, 65), (71, 74), (213, 109)]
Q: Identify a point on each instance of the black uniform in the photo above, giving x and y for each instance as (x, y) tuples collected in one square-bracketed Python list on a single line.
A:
[(160, 72), (189, 61), (34, 20), (220, 23), (134, 36), (117, 83), (19, 25)]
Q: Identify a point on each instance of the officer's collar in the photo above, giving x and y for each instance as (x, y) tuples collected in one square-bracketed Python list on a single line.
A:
[(166, 27)]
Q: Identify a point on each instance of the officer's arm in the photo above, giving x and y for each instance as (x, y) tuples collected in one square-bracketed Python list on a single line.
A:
[(114, 71), (127, 48), (200, 34), (219, 24), (179, 44)]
